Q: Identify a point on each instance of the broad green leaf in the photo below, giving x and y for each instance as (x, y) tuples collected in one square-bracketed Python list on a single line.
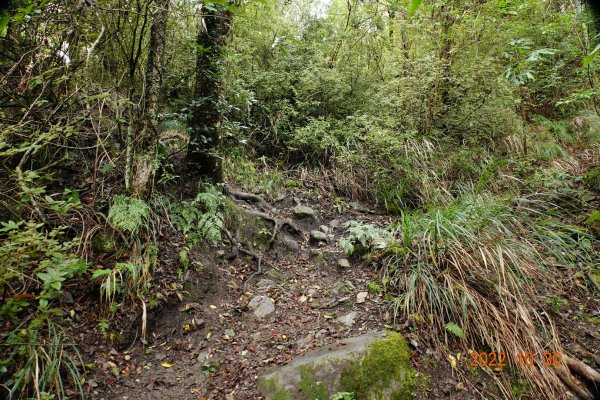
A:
[(588, 59), (4, 20)]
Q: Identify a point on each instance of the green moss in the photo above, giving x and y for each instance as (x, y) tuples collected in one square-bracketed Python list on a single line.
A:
[(374, 375), (276, 393), (309, 387)]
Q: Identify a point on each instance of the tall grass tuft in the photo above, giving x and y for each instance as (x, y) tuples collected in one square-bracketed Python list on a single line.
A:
[(476, 267), (41, 362)]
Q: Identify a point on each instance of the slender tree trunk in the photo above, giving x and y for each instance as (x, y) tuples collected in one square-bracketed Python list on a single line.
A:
[(203, 156), (145, 162)]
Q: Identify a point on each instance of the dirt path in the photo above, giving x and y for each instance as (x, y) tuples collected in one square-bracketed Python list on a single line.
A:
[(212, 346)]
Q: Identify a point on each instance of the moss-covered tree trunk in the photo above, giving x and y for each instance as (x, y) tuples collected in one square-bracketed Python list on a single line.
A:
[(203, 156), (147, 145)]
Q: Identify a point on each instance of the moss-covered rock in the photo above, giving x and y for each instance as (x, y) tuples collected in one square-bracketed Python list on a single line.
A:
[(383, 373), (373, 367), (103, 243)]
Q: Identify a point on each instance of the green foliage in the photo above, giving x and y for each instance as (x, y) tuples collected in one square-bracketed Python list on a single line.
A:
[(34, 365), (455, 330), (128, 214), (592, 178), (36, 262), (309, 387), (343, 396), (359, 237), (200, 219)]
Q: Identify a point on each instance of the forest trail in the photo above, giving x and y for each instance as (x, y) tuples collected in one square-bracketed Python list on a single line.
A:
[(212, 345)]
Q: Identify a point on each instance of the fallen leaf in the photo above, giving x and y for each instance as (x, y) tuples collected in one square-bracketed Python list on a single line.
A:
[(166, 364)]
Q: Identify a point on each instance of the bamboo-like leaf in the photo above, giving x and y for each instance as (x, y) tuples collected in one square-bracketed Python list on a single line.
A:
[(588, 59), (414, 5)]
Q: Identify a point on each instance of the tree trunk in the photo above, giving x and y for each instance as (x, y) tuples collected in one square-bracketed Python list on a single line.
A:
[(203, 156), (146, 158)]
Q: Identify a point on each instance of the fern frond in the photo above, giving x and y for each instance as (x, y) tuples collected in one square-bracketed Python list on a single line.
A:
[(128, 214), (455, 330), (202, 218)]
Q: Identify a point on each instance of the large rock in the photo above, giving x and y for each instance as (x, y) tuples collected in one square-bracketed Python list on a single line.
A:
[(262, 306), (373, 367), (290, 243), (304, 212)]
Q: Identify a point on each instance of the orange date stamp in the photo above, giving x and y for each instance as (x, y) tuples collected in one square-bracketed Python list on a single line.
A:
[(522, 359)]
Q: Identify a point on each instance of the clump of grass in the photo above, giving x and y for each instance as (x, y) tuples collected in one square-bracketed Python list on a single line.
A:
[(477, 265), (40, 361), (551, 151)]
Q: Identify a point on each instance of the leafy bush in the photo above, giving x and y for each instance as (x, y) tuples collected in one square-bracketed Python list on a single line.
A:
[(34, 265), (360, 237)]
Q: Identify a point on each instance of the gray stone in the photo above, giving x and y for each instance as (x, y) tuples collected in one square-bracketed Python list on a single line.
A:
[(346, 366), (320, 333), (220, 253), (361, 297), (290, 243), (318, 236), (342, 287), (348, 319), (343, 263), (334, 223), (261, 306), (304, 212), (66, 298), (324, 228)]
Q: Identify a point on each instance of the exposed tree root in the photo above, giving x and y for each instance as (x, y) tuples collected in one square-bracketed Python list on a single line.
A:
[(582, 369), (260, 202), (572, 384), (278, 223), (239, 248)]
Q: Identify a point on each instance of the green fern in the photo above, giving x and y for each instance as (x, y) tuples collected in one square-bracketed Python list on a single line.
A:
[(202, 218), (455, 330), (128, 214)]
